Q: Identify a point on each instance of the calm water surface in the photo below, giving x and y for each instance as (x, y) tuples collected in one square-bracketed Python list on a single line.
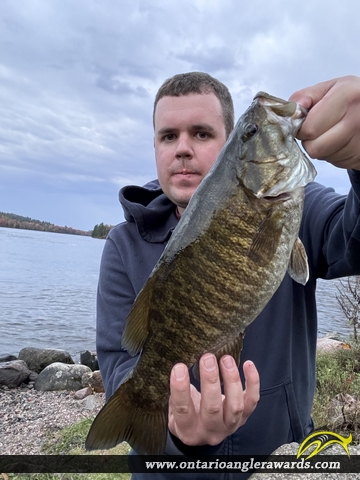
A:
[(48, 291)]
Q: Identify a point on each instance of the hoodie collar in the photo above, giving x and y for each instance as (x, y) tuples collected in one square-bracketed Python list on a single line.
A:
[(150, 209)]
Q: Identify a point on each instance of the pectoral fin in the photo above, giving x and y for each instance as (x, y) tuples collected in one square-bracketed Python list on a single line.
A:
[(137, 324), (266, 240), (298, 268)]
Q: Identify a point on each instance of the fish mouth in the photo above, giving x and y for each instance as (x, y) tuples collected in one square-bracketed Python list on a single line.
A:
[(281, 196)]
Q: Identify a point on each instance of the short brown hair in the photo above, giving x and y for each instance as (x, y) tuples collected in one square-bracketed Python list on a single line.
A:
[(202, 83)]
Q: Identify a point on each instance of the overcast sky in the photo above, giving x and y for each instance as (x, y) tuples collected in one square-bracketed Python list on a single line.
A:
[(78, 79)]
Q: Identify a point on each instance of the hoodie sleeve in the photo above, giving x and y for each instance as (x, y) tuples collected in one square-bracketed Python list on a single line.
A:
[(115, 297), (331, 230)]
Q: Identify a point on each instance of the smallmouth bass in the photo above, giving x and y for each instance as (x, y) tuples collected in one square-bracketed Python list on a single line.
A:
[(226, 258)]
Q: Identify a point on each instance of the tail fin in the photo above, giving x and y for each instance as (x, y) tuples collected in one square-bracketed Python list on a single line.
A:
[(145, 429)]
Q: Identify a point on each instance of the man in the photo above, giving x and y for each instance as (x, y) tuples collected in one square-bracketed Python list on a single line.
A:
[(193, 116)]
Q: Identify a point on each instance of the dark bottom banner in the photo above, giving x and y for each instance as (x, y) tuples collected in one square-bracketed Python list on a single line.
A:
[(177, 464)]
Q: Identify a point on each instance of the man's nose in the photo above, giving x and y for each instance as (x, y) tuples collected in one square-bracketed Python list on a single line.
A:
[(184, 147)]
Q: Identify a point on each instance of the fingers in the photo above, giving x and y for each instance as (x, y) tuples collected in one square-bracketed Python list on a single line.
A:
[(234, 396), (239, 404), (210, 417), (339, 146), (328, 107), (331, 130), (211, 405), (181, 407), (252, 388), (309, 96), (211, 400)]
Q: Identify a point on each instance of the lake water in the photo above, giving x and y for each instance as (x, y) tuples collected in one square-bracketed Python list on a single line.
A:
[(48, 291)]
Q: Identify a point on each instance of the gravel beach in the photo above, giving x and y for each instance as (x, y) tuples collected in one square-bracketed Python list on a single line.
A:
[(28, 417)]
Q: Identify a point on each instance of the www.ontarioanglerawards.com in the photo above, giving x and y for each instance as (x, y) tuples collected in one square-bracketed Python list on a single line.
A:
[(242, 466)]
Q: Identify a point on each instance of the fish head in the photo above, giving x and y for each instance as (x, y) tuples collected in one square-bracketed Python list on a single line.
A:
[(271, 164)]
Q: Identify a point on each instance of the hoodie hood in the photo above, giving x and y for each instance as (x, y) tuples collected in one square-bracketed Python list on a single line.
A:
[(150, 209)]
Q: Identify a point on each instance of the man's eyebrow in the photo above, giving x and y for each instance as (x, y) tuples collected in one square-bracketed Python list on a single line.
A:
[(196, 127), (203, 126), (165, 131)]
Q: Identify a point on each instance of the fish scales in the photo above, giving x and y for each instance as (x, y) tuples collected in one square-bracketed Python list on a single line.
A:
[(224, 261), (200, 313)]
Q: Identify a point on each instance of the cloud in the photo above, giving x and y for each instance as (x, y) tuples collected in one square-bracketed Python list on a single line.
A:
[(78, 79)]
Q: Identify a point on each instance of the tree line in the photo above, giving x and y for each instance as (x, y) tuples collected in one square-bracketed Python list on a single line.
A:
[(11, 220), (101, 230)]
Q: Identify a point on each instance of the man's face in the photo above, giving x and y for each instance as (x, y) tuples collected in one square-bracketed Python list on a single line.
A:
[(189, 134)]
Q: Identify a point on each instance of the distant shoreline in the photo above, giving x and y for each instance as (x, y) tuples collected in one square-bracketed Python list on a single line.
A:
[(82, 233), (11, 220)]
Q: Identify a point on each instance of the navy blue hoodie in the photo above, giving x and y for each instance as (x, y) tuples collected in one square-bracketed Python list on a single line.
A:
[(281, 341)]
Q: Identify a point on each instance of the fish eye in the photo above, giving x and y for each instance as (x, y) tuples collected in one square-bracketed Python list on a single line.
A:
[(249, 131)]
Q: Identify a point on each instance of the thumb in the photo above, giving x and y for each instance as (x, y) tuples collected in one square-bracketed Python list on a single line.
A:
[(310, 96)]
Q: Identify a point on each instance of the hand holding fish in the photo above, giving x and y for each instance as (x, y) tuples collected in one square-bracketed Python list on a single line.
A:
[(331, 131), (209, 417)]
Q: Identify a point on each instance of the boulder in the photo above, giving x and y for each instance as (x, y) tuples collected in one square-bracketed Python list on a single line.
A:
[(93, 380), (344, 412), (7, 358), (60, 376), (334, 336), (13, 373), (89, 359), (39, 358), (330, 345), (291, 449)]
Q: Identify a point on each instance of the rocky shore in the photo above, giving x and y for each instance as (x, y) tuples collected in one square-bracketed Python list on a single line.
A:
[(29, 417), (43, 391)]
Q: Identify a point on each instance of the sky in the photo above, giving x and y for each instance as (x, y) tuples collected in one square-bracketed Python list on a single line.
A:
[(78, 80)]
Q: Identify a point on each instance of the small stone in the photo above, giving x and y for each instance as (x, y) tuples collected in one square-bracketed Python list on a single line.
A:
[(333, 336), (32, 377), (91, 403), (83, 393), (93, 380), (89, 359)]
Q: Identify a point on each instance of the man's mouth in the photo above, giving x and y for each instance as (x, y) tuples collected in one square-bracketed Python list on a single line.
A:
[(185, 172)]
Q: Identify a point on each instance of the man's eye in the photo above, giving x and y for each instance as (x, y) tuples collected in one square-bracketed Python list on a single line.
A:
[(203, 135), (169, 137)]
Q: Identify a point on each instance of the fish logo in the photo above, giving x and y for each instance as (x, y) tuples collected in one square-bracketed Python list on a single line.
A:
[(322, 440)]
